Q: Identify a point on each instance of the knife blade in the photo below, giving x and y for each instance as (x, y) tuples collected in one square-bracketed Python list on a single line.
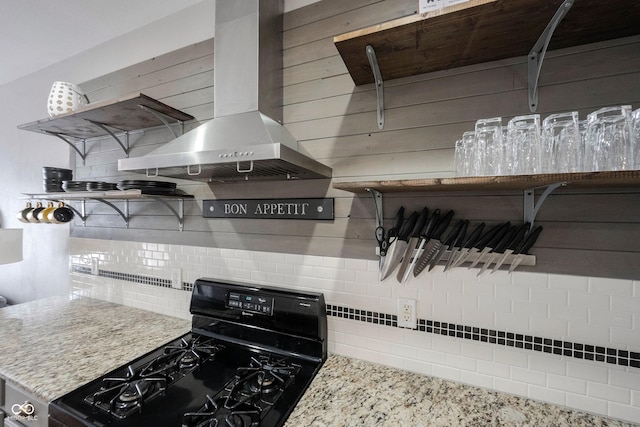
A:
[(456, 234), (518, 240), (384, 240), (464, 248), (433, 244), (524, 249), (398, 247), (499, 248), (413, 243), (424, 238), (491, 243)]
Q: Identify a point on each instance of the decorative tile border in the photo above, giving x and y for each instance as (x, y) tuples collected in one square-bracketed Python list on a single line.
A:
[(492, 336), (510, 339), (135, 278)]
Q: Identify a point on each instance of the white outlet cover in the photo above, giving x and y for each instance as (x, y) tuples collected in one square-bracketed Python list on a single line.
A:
[(95, 266), (407, 313), (176, 278)]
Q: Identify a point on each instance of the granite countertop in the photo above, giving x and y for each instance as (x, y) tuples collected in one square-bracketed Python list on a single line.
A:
[(52, 346), (350, 392)]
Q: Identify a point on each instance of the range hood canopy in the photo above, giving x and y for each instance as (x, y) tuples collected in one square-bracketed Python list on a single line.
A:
[(245, 140)]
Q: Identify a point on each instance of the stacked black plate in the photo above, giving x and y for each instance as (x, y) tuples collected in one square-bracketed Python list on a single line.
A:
[(53, 177), (148, 187), (71, 186), (101, 186)]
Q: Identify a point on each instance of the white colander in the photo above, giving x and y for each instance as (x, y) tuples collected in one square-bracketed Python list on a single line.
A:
[(65, 98)]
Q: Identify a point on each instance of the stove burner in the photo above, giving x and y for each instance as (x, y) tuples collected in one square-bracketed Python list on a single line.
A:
[(134, 391), (247, 397), (263, 382), (217, 413), (122, 397), (188, 361), (179, 360), (265, 375)]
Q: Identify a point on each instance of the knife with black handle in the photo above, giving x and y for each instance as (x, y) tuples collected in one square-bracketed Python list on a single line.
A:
[(384, 240), (433, 244), (424, 238), (479, 244), (455, 237), (464, 248), (499, 248), (524, 248), (397, 248), (486, 247), (413, 243), (517, 241)]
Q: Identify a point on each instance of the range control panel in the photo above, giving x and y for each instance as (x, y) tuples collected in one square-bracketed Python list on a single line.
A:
[(252, 303)]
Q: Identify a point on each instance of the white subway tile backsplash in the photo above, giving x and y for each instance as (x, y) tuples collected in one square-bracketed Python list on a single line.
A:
[(476, 379), (446, 372), (587, 404), (509, 386), (567, 309), (418, 367), (513, 357), (624, 377), (588, 371), (546, 394), (607, 392), (548, 364), (461, 362), (527, 376), (564, 383), (478, 351), (624, 412), (601, 285), (492, 369)]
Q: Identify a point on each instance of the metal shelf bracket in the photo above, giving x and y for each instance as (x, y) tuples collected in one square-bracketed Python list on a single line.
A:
[(373, 61), (124, 215), (125, 147), (531, 207), (82, 153), (537, 53), (179, 213), (377, 202), (163, 118)]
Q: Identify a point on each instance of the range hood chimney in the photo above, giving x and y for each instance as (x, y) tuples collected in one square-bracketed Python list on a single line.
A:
[(245, 140)]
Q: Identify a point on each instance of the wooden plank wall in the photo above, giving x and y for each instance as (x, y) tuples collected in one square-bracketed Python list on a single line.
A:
[(586, 233)]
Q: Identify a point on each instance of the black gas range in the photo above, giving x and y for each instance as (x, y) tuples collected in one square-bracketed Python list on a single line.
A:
[(251, 353)]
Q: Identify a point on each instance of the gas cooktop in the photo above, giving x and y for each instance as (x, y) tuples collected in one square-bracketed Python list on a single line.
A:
[(247, 361)]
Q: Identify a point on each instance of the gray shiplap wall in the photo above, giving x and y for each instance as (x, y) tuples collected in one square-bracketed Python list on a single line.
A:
[(586, 233)]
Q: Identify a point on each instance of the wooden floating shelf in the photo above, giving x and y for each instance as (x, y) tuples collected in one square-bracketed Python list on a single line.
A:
[(587, 180), (480, 31), (124, 114)]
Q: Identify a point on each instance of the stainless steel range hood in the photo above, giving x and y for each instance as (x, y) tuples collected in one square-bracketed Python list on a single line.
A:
[(245, 140)]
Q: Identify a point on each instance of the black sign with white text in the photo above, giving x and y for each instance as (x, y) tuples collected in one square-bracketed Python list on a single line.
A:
[(316, 209)]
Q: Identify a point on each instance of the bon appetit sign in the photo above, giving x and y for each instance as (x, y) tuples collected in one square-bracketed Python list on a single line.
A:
[(315, 209)]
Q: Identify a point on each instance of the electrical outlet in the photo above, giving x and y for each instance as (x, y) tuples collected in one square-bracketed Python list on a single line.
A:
[(95, 266), (407, 313), (176, 278)]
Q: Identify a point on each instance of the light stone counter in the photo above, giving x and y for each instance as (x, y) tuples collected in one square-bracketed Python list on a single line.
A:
[(51, 346), (349, 392)]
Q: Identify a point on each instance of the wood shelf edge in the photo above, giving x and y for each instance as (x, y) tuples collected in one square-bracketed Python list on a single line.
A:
[(408, 20), (496, 183)]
